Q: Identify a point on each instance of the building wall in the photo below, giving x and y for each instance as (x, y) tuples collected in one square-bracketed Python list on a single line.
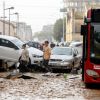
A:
[(24, 31), (72, 24), (12, 28), (73, 27), (69, 27)]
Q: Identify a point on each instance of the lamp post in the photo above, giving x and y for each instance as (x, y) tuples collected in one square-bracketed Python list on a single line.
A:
[(3, 18), (17, 22), (64, 10), (9, 16)]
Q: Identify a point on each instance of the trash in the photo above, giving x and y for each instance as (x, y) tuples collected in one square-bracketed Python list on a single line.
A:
[(26, 77), (73, 77), (74, 71)]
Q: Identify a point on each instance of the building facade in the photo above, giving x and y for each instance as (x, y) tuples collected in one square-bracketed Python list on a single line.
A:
[(76, 10), (19, 30), (24, 31), (5, 31)]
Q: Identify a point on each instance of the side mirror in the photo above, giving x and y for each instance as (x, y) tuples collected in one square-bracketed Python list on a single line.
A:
[(83, 29), (87, 20)]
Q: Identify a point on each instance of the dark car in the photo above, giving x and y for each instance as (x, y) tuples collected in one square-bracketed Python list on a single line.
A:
[(35, 45)]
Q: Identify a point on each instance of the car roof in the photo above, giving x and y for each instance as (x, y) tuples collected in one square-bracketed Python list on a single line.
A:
[(75, 43), (7, 37)]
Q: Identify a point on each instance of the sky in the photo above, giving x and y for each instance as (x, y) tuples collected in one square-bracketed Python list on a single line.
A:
[(34, 12)]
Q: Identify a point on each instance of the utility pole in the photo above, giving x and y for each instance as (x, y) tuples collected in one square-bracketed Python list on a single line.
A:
[(4, 18), (9, 17), (63, 29)]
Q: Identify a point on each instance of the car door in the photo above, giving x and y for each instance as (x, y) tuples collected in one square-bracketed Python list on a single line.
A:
[(8, 51)]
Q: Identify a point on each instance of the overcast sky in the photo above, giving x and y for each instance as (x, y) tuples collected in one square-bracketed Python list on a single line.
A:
[(34, 12)]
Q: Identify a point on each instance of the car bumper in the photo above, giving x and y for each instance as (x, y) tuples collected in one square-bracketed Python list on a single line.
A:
[(63, 65)]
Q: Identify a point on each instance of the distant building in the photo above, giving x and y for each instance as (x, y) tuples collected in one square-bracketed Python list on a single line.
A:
[(79, 5), (24, 31), (45, 34), (48, 28), (20, 30)]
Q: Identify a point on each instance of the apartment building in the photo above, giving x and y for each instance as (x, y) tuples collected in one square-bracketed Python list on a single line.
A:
[(5, 31), (20, 30), (76, 10)]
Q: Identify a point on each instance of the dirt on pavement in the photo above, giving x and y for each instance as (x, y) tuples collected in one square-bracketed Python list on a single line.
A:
[(46, 87)]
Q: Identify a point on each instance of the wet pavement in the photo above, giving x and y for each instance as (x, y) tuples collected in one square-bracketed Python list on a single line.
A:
[(50, 86)]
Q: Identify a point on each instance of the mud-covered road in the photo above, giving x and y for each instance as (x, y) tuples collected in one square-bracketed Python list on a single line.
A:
[(46, 87)]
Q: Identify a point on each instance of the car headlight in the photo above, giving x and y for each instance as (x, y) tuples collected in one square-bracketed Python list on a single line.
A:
[(92, 73), (34, 55)]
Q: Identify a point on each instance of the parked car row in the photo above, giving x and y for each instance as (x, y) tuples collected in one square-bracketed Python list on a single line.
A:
[(61, 57), (11, 48)]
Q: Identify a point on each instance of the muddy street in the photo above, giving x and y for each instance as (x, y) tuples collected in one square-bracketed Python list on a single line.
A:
[(50, 86)]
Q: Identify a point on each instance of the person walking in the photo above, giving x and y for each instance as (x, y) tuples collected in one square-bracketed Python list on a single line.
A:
[(46, 56), (24, 59)]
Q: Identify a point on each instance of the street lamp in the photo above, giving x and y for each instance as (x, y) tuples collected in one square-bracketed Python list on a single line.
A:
[(17, 21), (9, 16), (64, 10)]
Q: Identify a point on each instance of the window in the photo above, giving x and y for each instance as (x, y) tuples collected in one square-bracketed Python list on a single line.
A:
[(6, 43), (95, 43)]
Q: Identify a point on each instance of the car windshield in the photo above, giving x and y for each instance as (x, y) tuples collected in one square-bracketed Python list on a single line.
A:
[(18, 43), (61, 51)]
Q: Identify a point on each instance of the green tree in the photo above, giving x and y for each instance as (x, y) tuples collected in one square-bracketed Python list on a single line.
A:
[(58, 29)]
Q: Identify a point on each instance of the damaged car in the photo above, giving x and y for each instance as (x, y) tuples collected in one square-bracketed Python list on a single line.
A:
[(64, 58), (11, 48)]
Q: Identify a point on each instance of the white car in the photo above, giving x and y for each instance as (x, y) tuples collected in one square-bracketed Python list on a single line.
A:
[(78, 46), (64, 58), (10, 50)]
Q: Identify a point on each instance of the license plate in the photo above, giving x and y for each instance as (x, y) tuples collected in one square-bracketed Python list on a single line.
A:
[(53, 63)]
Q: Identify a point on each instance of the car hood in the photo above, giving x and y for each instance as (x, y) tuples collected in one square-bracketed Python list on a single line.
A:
[(61, 57), (35, 51)]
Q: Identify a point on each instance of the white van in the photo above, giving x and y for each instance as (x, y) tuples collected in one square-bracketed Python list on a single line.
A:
[(10, 50), (77, 45)]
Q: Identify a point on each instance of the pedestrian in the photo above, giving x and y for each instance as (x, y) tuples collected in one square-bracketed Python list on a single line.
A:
[(24, 59), (46, 56)]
